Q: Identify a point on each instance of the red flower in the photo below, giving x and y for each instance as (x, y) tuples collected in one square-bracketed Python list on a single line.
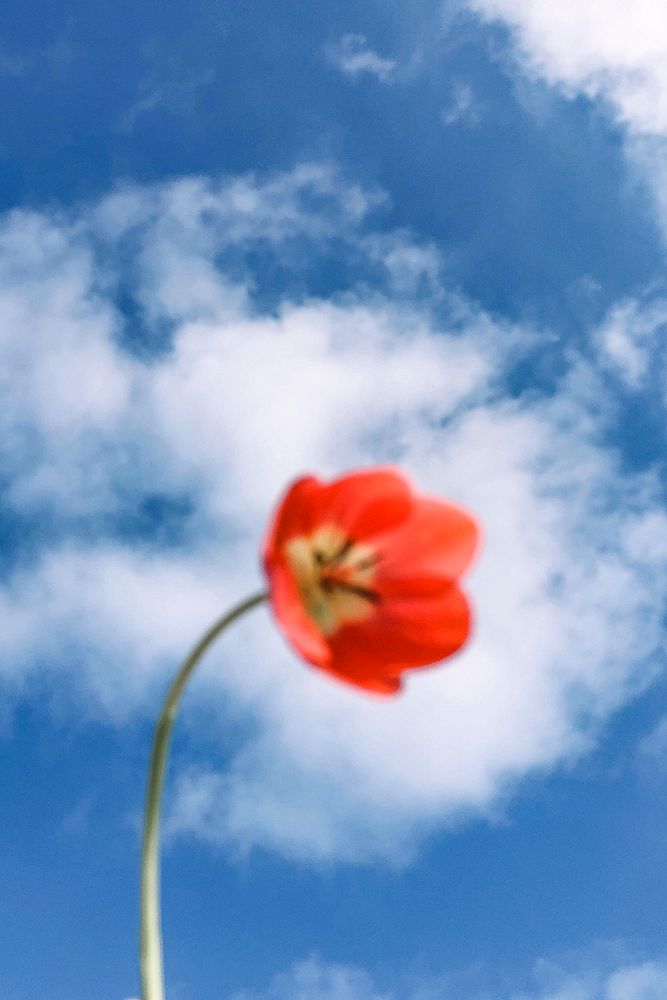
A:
[(363, 576)]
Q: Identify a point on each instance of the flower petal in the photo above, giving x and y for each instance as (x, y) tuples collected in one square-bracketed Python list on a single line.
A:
[(376, 684), (438, 539), (292, 618), (368, 537), (368, 502), (296, 514), (408, 631)]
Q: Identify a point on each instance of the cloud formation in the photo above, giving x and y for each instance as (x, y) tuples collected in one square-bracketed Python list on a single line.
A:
[(352, 56), (177, 373), (615, 54), (630, 339), (463, 107), (313, 979), (602, 48)]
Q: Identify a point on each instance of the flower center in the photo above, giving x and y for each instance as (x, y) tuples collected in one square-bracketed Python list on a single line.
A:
[(334, 576)]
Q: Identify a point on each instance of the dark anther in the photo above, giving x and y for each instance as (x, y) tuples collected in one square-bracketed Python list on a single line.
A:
[(367, 562), (342, 552)]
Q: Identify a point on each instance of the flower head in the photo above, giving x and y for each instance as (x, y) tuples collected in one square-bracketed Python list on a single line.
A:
[(363, 575)]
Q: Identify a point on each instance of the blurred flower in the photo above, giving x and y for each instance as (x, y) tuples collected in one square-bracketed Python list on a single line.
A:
[(363, 575)]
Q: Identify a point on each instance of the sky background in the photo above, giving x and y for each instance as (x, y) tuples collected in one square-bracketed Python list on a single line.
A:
[(243, 241)]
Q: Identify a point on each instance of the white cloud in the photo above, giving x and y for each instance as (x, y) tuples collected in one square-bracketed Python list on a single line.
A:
[(645, 981), (314, 979), (629, 336), (352, 56), (463, 107), (601, 48), (238, 397), (411, 267), (609, 51)]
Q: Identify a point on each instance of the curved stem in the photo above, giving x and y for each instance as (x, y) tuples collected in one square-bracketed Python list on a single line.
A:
[(150, 952)]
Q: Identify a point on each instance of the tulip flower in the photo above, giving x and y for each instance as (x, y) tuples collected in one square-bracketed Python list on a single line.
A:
[(363, 577)]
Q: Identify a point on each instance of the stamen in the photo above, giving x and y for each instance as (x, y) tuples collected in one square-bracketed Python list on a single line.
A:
[(342, 552), (328, 585), (367, 562)]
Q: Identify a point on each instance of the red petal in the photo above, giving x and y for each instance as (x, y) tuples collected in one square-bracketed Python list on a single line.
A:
[(408, 631), (296, 515), (292, 618), (367, 503), (378, 685), (438, 539)]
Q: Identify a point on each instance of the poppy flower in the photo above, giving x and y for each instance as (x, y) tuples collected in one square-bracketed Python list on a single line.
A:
[(363, 575)]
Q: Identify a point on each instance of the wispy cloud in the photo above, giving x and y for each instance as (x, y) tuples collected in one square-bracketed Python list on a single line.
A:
[(352, 56), (314, 979), (463, 107), (643, 981), (630, 339), (175, 97)]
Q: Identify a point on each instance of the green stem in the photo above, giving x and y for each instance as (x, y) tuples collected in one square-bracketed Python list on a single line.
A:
[(150, 952)]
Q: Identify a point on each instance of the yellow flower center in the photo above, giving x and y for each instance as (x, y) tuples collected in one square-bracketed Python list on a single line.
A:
[(334, 576)]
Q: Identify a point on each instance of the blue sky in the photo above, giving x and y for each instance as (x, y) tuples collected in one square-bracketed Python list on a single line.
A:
[(238, 242)]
